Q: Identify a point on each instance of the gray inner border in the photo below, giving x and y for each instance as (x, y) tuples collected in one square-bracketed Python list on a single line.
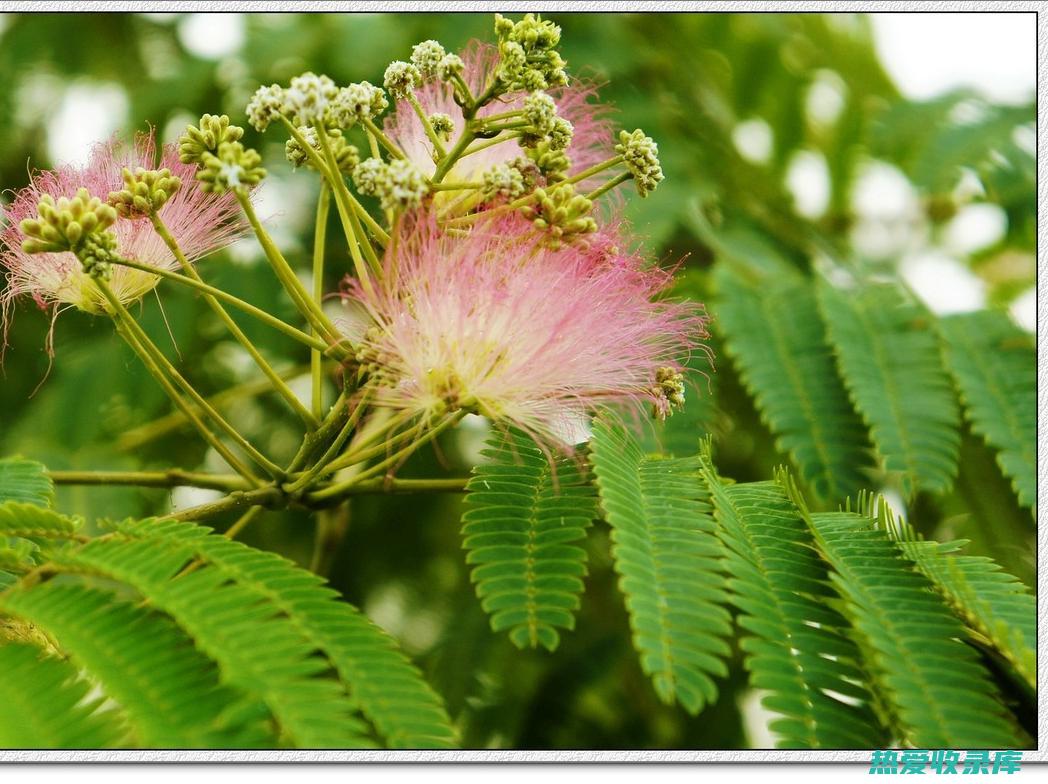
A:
[(613, 6)]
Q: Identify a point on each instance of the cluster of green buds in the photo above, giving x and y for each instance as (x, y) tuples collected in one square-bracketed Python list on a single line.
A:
[(398, 184), (668, 392), (205, 138), (145, 191), (442, 124), (66, 224), (528, 57), (641, 156), (401, 79), (561, 213), (233, 168), (428, 57), (358, 102), (503, 180), (346, 155), (544, 126)]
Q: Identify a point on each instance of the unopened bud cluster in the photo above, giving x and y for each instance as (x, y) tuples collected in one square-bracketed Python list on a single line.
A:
[(503, 180), (528, 57), (398, 184), (144, 193), (65, 224), (346, 155), (232, 168), (641, 156), (205, 138), (668, 391), (562, 214)]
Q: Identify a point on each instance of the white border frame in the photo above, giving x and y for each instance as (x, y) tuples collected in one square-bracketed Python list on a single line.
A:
[(613, 6)]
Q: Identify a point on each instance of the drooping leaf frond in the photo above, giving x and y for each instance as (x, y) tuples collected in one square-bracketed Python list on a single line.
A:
[(29, 521), (524, 516), (778, 343), (797, 644), (382, 683), (42, 704), (994, 365), (257, 648), (168, 691), (25, 481), (670, 564), (889, 357), (990, 601), (941, 693)]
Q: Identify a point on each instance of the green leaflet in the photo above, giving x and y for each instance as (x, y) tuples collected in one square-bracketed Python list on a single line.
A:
[(42, 705), (994, 365), (382, 683), (889, 358), (167, 690), (780, 586), (670, 565), (25, 481), (524, 515), (941, 693), (775, 337)]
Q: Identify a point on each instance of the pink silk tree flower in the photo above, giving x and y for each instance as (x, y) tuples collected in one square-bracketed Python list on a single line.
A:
[(591, 143), (495, 323), (200, 222)]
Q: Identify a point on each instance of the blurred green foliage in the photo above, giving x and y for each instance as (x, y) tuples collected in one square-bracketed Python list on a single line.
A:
[(689, 81)]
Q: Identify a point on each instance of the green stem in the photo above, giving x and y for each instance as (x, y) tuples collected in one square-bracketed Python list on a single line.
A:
[(150, 431), (456, 186), (247, 307), (171, 477), (464, 140), (587, 173), (427, 126), (384, 140), (242, 522), (613, 182), (287, 277), (329, 454), (332, 524), (154, 370), (336, 489), (319, 242), (262, 496), (488, 143), (158, 359), (267, 370)]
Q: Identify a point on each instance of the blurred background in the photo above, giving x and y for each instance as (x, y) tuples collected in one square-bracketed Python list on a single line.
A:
[(906, 140)]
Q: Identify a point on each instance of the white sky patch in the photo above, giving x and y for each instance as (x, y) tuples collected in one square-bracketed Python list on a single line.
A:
[(808, 179), (88, 113), (754, 140), (825, 99), (943, 283), (927, 54), (212, 36)]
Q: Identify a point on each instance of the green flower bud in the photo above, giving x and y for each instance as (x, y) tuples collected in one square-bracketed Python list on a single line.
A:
[(528, 59), (264, 107), (358, 102), (442, 125), (346, 155), (398, 184), (144, 192), (232, 168), (668, 392), (562, 214), (96, 254), (426, 57), (553, 164), (449, 67), (213, 130), (401, 78), (641, 156), (65, 224), (503, 180)]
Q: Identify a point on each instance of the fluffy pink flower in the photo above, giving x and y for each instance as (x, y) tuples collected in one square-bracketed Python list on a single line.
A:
[(591, 143), (200, 222), (495, 322)]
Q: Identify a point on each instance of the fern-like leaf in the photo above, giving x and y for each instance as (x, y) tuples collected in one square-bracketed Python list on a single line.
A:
[(995, 367), (257, 648), (670, 564), (168, 690), (25, 481), (778, 343), (797, 645), (382, 683), (42, 704), (889, 357), (29, 521), (990, 601), (524, 515), (941, 693)]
